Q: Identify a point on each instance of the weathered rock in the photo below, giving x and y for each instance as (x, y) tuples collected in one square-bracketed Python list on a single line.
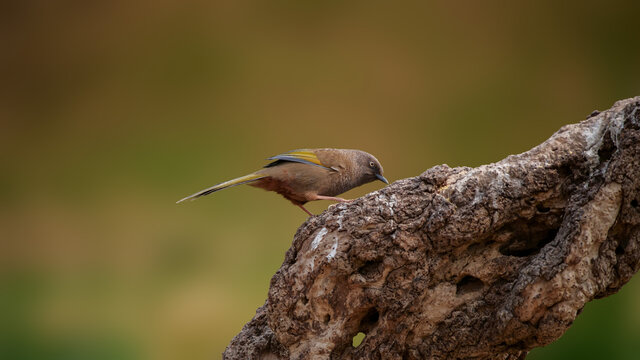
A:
[(483, 263)]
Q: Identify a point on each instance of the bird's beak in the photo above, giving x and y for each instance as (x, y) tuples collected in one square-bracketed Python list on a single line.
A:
[(381, 178)]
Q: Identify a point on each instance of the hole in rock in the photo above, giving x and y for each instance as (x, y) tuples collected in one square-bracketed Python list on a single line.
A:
[(634, 203), (542, 209), (622, 245), (369, 320), (528, 242), (367, 323), (606, 149), (605, 154), (326, 318), (468, 284), (371, 269), (565, 171)]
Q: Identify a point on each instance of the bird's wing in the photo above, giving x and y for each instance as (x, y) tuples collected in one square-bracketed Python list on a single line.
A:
[(303, 156)]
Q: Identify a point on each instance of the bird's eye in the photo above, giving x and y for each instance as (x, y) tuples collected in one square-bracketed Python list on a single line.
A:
[(372, 164)]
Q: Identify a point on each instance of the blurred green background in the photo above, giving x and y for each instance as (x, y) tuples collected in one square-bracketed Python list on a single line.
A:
[(111, 111)]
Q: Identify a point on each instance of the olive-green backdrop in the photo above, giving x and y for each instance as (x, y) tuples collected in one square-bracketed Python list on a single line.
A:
[(110, 111)]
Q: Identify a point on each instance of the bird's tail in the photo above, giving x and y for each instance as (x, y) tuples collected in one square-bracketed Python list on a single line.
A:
[(238, 181)]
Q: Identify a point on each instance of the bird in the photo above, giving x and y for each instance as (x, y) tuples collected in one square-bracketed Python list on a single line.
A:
[(305, 175)]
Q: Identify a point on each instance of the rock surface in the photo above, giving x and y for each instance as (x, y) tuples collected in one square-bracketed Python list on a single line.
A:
[(483, 263)]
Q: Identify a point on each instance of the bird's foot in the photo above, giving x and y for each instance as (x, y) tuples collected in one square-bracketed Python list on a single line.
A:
[(305, 210)]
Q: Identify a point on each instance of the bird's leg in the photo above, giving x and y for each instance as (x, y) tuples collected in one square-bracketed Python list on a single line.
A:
[(322, 197), (305, 210)]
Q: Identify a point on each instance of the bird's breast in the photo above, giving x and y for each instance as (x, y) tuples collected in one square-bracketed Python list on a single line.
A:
[(283, 188)]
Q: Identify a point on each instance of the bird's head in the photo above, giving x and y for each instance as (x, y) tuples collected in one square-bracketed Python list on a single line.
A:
[(370, 169)]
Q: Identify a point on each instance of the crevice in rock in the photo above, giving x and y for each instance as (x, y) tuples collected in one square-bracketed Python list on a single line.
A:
[(542, 209), (468, 284), (371, 269), (369, 320), (606, 149), (528, 243)]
